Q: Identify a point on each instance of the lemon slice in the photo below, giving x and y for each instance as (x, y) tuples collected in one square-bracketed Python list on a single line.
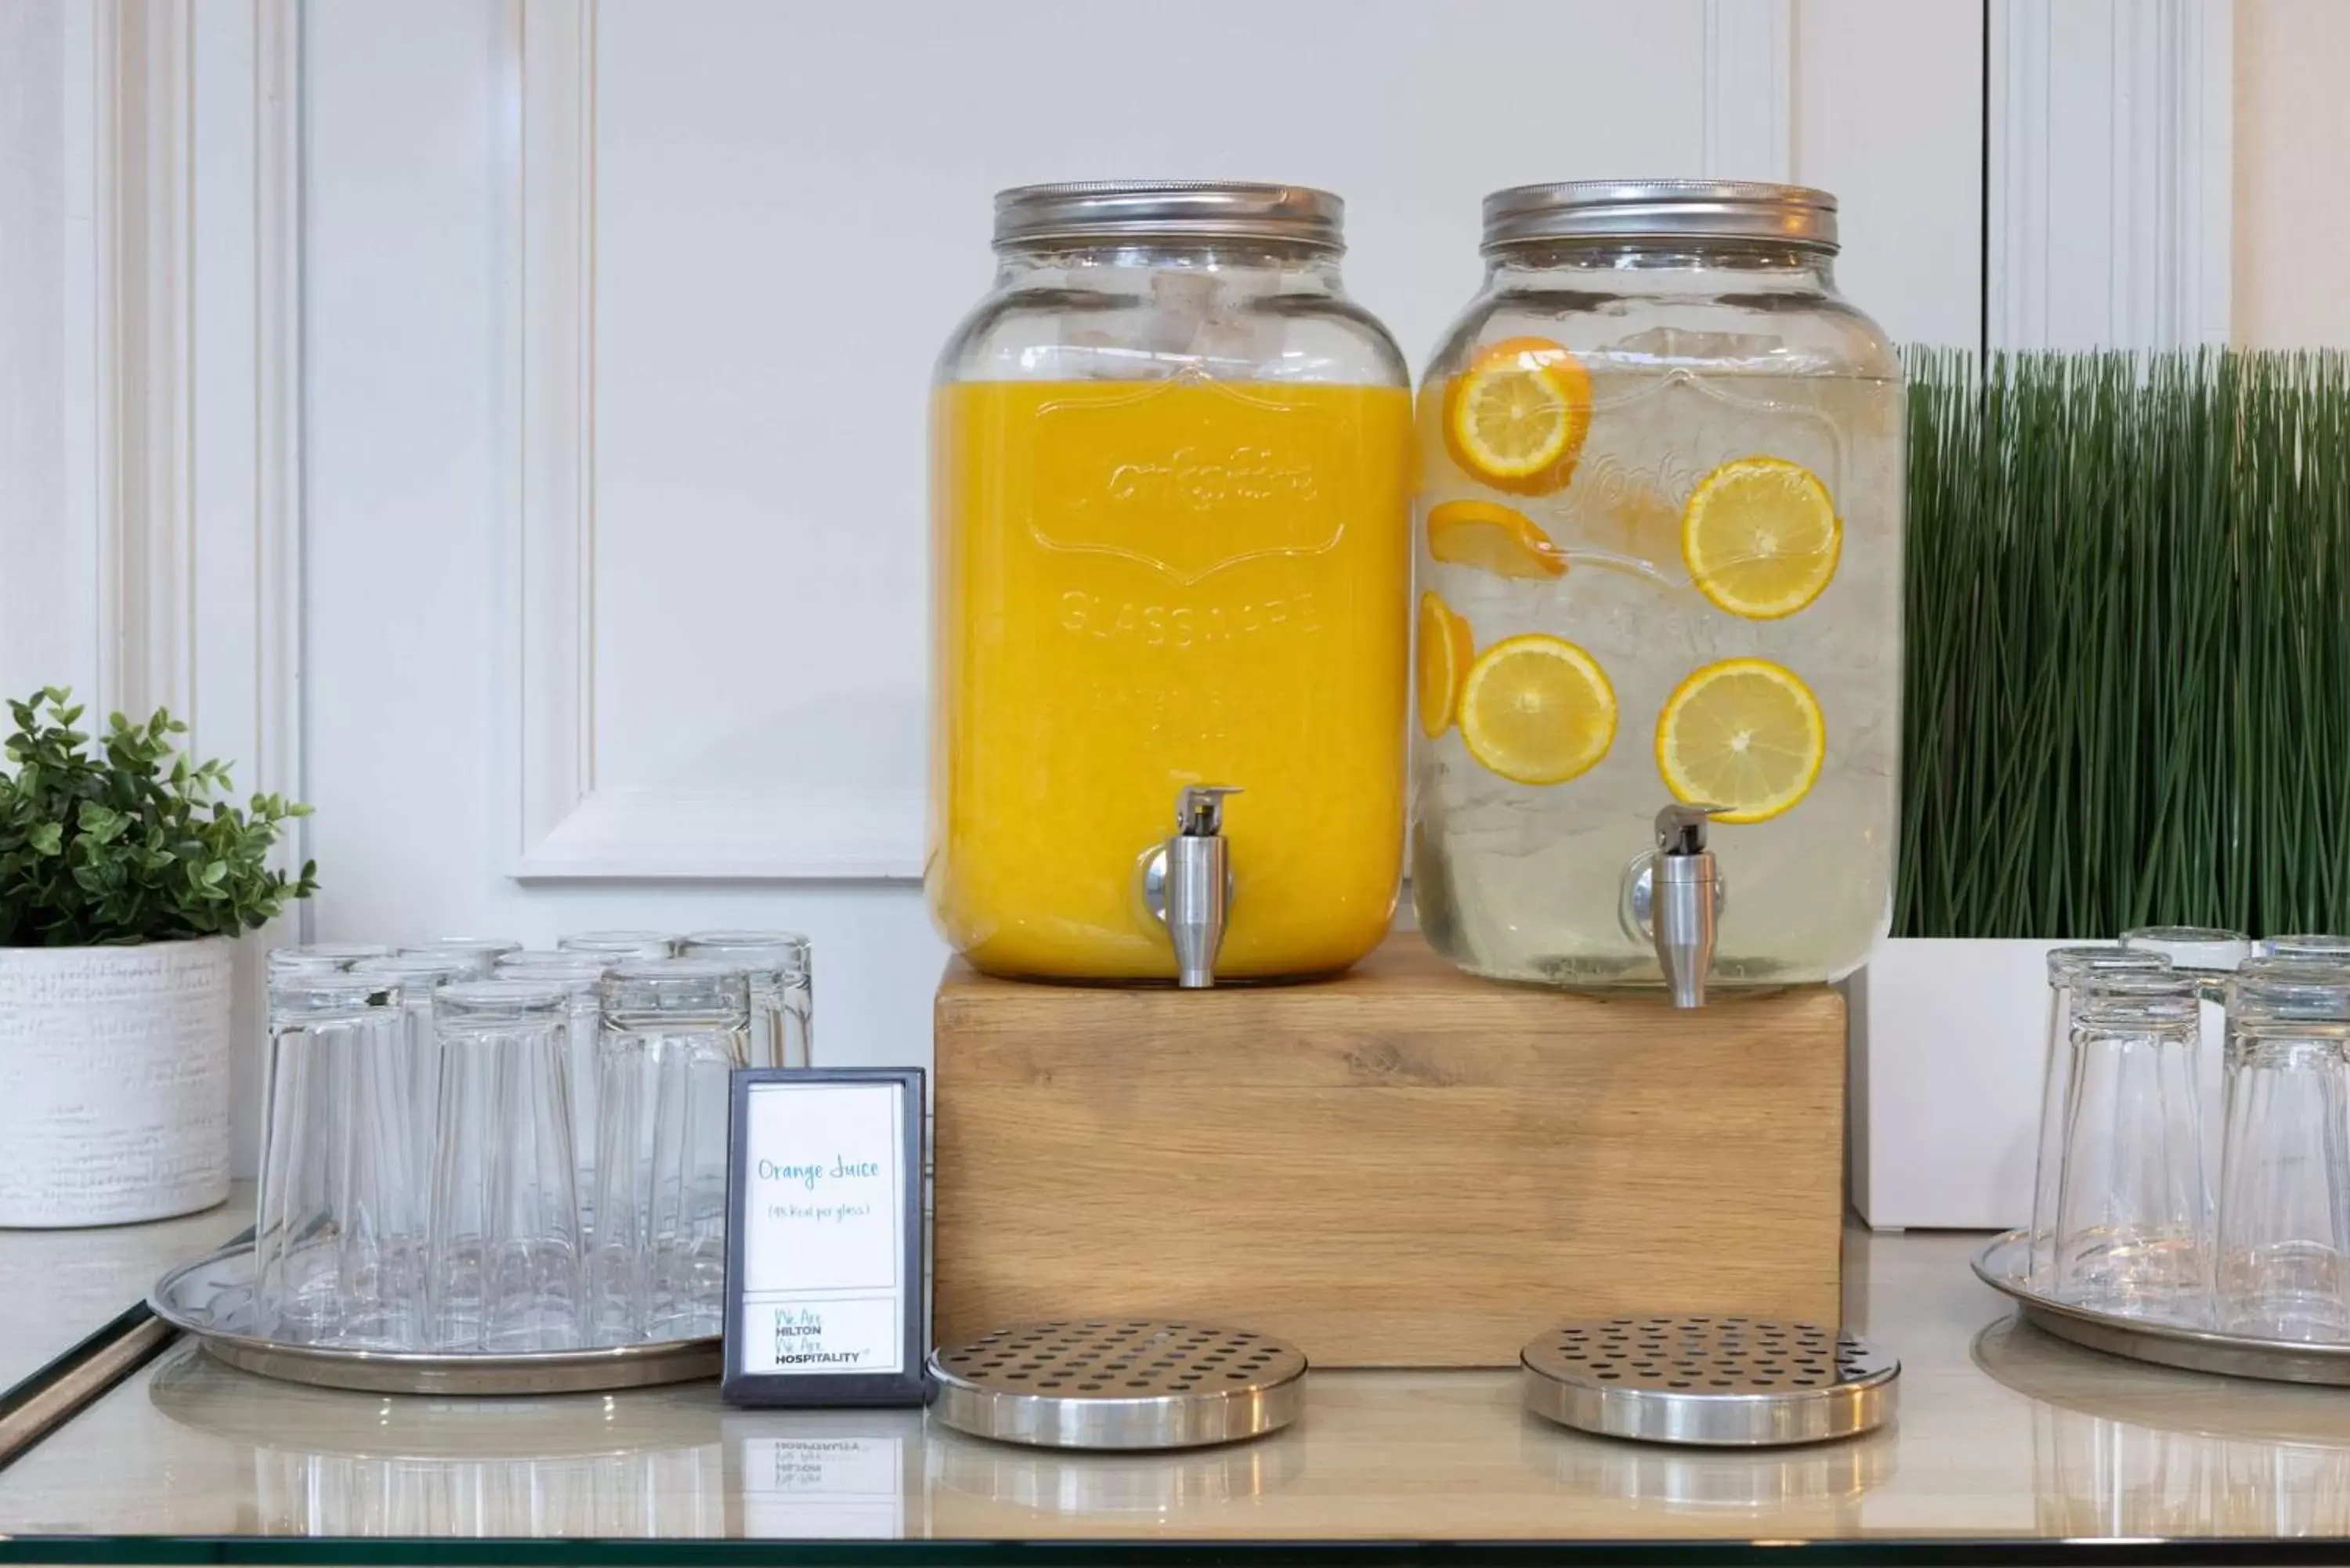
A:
[(1745, 734), (1517, 416), (1446, 646), (1537, 710), (1492, 538), (1759, 538)]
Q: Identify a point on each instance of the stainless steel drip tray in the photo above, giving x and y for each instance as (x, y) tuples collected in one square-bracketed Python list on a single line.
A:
[(1118, 1384), (211, 1299), (1732, 1382)]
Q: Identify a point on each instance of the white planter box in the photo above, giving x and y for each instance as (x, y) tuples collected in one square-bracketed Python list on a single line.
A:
[(114, 1082), (1949, 1040)]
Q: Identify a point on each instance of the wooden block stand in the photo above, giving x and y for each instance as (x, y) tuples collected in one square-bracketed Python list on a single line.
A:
[(1399, 1167)]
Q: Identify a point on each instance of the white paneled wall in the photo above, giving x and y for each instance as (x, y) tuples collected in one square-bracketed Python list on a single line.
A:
[(535, 483), (619, 323)]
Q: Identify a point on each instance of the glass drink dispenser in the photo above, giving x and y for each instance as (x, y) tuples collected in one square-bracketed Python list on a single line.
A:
[(1659, 654), (1171, 562)]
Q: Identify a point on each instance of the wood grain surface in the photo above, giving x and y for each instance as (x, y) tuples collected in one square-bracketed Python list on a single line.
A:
[(1401, 1166)]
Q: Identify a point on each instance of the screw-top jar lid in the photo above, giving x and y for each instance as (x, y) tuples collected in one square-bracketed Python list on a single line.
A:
[(1170, 209), (1660, 210)]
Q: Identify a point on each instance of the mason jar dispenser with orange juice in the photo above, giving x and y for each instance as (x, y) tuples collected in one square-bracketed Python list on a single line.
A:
[(1170, 559)]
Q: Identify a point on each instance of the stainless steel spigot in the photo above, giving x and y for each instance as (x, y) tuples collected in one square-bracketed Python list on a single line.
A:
[(1678, 898), (1188, 883)]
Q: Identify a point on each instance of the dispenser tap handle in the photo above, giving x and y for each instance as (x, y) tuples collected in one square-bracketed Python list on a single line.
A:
[(1681, 827), (1200, 809)]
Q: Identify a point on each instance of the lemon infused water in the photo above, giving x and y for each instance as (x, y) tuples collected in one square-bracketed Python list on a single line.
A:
[(1659, 562)]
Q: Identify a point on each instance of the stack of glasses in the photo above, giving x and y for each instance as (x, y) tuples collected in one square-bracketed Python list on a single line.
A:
[(471, 1149), (2195, 1133)]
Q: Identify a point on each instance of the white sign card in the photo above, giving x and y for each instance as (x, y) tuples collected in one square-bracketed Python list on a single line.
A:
[(823, 1238)]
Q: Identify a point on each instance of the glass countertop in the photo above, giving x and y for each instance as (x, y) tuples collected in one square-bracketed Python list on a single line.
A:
[(57, 1287), (2003, 1435)]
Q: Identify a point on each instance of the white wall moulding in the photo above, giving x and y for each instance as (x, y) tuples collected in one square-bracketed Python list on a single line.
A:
[(1750, 89), (717, 412), (574, 824), (2110, 129), (152, 556)]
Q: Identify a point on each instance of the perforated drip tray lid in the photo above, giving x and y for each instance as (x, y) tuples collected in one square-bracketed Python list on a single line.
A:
[(1724, 1381), (1128, 1383)]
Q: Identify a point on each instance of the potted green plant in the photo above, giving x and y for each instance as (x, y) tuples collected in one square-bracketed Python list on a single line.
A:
[(2127, 643), (123, 885)]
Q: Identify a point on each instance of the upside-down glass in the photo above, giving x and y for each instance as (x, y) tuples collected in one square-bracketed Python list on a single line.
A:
[(419, 975), (2065, 967), (320, 958), (504, 1275), (2133, 1209), (781, 969), (479, 954), (619, 945), (2283, 1227), (675, 1032), (2307, 948), (2209, 951), (338, 1231), (581, 976)]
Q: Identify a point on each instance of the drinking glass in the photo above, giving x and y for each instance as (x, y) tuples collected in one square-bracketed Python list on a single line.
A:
[(2133, 1210), (2307, 948), (479, 954), (581, 976), (675, 1032), (419, 975), (506, 1258), (2192, 947), (338, 1230), (2065, 967), (2284, 1183), (624, 945), (320, 958), (781, 969)]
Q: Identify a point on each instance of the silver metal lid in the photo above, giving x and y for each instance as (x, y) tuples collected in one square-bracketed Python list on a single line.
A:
[(1660, 209), (1133, 1383), (1170, 209), (1732, 1382)]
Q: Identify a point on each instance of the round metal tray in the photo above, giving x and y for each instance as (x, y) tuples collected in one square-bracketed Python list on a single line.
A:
[(1130, 1383), (211, 1299), (1719, 1382), (2005, 1267)]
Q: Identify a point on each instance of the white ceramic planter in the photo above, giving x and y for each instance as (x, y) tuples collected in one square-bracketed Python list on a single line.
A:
[(1949, 1040), (114, 1082)]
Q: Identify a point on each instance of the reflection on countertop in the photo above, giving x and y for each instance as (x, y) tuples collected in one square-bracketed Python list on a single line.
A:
[(2000, 1432), (56, 1287)]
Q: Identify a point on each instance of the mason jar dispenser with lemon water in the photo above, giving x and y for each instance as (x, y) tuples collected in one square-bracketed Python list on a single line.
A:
[(1659, 621), (1171, 564)]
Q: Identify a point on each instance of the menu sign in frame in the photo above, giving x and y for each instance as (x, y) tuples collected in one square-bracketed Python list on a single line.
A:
[(824, 1303)]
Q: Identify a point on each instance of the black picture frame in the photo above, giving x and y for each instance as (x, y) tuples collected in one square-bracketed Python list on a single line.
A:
[(816, 1390)]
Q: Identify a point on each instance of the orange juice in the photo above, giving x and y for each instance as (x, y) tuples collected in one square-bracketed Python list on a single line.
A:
[(1144, 584)]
